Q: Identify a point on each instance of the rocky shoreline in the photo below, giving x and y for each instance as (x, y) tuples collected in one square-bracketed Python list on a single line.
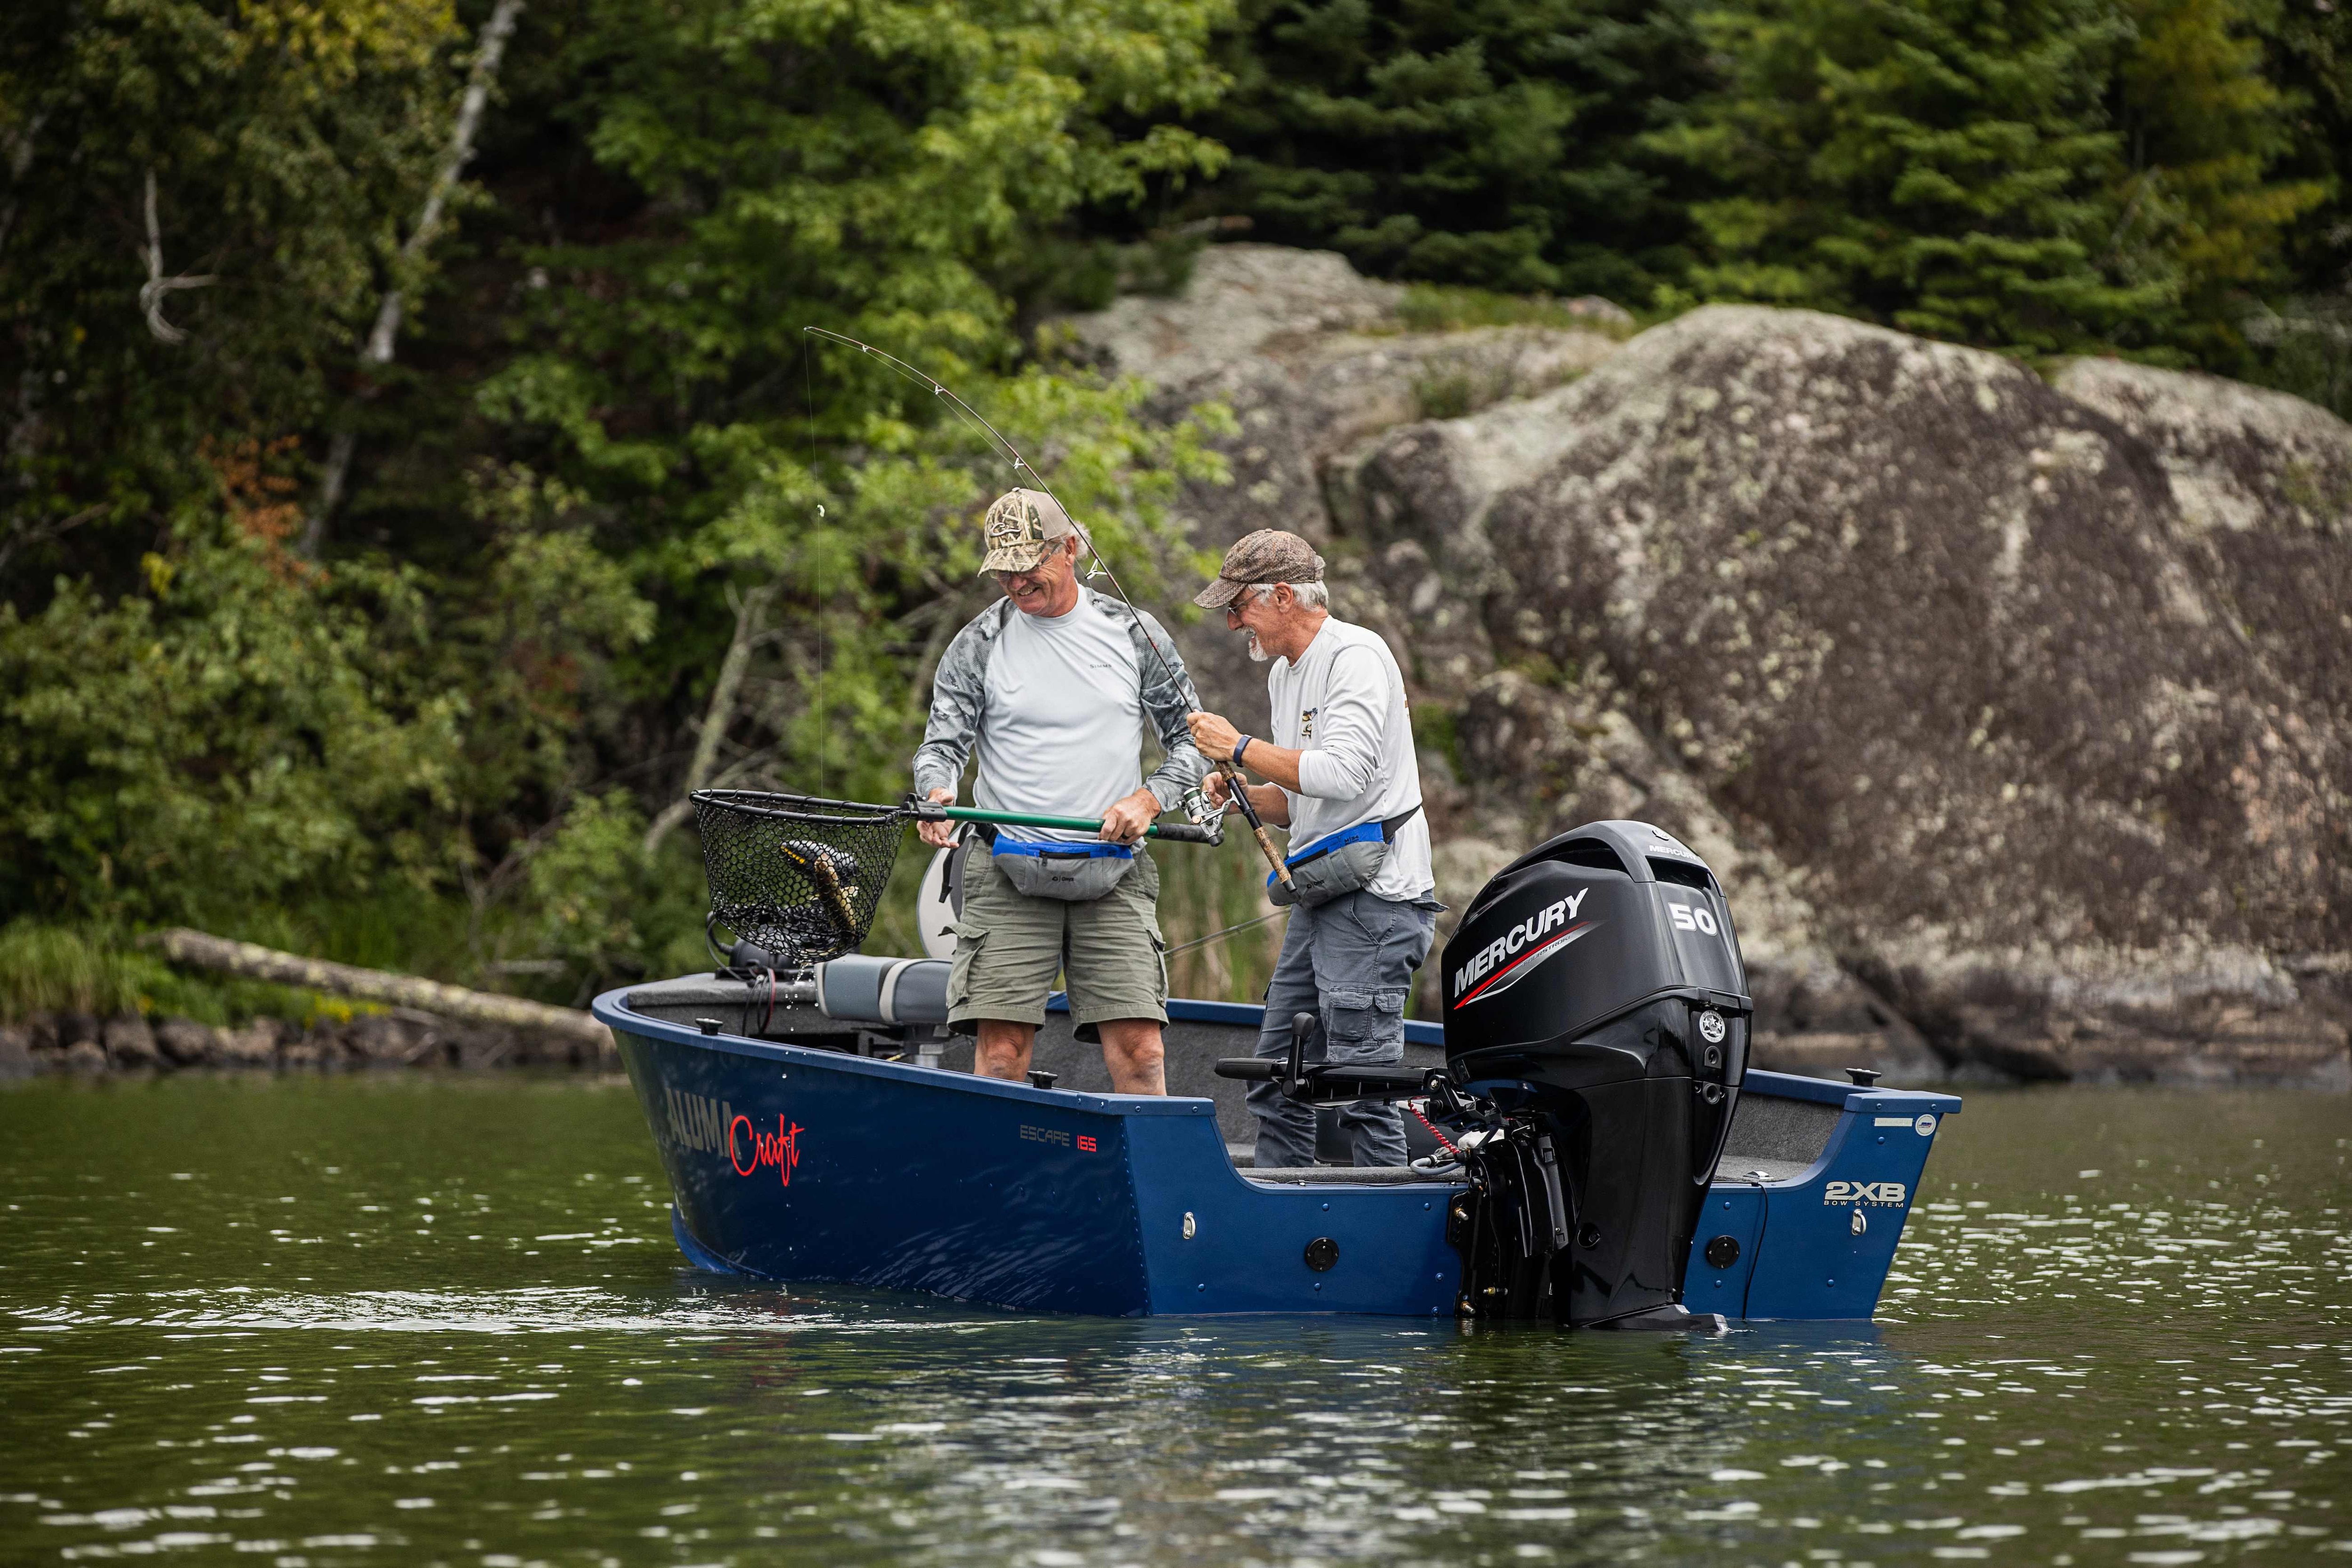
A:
[(2012, 705), (128, 1043)]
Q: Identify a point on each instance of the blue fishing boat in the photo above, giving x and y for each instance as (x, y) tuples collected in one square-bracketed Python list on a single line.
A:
[(797, 1161), (1590, 1148)]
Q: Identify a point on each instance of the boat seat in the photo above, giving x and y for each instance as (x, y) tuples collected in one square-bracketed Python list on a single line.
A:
[(1775, 1140), (1345, 1175)]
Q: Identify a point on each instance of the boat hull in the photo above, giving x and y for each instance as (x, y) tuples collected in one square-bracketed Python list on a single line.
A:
[(793, 1162)]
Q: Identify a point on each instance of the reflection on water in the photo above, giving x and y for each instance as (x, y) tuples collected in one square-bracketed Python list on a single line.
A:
[(312, 1321)]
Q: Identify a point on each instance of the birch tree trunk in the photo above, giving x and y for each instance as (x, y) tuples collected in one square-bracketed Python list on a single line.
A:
[(384, 337), (715, 715)]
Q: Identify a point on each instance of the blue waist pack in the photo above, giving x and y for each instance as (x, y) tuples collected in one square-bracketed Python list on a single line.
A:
[(1337, 864), (1073, 870)]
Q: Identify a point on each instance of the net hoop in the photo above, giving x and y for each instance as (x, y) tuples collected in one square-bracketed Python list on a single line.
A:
[(849, 813)]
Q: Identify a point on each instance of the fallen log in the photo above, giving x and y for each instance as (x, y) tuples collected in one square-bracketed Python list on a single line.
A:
[(203, 951)]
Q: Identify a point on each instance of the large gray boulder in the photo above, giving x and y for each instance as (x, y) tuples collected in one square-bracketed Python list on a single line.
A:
[(184, 1042), (1240, 300), (130, 1043), (1938, 636), (2263, 484)]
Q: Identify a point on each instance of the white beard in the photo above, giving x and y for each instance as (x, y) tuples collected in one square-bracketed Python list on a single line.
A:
[(1258, 655)]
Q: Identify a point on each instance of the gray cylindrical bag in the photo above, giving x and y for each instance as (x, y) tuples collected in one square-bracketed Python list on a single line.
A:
[(1322, 878), (1076, 878)]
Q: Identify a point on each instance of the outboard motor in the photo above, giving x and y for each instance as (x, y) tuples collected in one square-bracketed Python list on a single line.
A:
[(1597, 1012)]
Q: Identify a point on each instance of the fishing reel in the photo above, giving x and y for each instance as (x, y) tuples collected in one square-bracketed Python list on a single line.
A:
[(1204, 813)]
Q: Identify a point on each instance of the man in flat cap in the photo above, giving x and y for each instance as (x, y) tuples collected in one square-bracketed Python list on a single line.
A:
[(1054, 688), (1345, 780)]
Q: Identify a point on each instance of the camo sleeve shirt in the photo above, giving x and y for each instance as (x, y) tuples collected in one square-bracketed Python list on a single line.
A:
[(959, 698)]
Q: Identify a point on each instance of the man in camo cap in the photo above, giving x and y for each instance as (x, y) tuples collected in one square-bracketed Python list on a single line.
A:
[(1055, 700)]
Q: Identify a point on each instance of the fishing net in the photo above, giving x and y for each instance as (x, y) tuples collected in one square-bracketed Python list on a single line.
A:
[(798, 875)]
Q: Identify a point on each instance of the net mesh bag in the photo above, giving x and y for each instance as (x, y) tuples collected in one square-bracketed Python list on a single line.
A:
[(800, 876)]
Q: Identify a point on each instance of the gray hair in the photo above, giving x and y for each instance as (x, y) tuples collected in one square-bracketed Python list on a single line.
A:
[(1310, 595)]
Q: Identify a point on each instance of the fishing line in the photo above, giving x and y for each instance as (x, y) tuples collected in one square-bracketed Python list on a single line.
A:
[(817, 557), (1212, 936), (972, 417)]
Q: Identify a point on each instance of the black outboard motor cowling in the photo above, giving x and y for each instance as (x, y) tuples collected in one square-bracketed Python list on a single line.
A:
[(1595, 994)]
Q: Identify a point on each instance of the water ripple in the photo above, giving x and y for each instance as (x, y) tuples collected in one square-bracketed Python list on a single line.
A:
[(314, 1322)]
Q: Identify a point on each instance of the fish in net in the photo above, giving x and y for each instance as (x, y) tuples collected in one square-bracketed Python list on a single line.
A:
[(795, 874)]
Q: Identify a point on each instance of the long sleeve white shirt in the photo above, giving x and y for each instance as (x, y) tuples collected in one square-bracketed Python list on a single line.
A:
[(1342, 707)]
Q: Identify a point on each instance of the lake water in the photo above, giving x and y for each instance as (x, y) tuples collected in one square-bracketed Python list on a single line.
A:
[(306, 1321)]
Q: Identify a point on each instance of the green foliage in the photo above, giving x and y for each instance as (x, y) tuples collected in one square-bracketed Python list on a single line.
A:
[(216, 741), (94, 970), (283, 142), (2029, 175), (1204, 890), (1487, 142), (600, 905), (2306, 349), (50, 969), (605, 430)]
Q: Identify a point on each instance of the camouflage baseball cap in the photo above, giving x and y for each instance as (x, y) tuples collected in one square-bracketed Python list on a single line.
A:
[(1268, 555), (1020, 526)]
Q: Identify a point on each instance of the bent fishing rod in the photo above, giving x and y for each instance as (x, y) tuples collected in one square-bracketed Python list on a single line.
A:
[(1236, 786)]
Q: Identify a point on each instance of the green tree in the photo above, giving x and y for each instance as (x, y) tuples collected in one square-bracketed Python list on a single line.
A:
[(2303, 343), (217, 742), (2206, 133), (1941, 166), (1469, 141), (200, 199), (879, 173), (2032, 174), (2307, 53), (604, 435)]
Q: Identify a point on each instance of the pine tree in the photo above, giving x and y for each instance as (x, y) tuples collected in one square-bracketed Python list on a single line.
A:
[(2307, 52), (2040, 175), (2204, 131), (2304, 341), (1484, 142), (1940, 166)]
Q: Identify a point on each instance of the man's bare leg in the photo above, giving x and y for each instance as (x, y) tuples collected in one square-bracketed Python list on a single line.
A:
[(1002, 1048), (1133, 1053)]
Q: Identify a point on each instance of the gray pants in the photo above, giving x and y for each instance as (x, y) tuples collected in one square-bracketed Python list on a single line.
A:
[(1350, 962)]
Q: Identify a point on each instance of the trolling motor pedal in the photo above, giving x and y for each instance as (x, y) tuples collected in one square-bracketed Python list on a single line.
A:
[(1294, 1073)]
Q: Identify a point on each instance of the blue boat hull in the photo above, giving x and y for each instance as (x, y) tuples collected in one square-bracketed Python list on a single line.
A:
[(793, 1162)]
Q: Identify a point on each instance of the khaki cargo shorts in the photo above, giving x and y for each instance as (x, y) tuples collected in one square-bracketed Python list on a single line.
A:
[(1009, 947)]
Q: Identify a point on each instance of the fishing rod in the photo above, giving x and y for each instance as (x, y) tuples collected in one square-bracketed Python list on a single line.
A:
[(1236, 785)]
